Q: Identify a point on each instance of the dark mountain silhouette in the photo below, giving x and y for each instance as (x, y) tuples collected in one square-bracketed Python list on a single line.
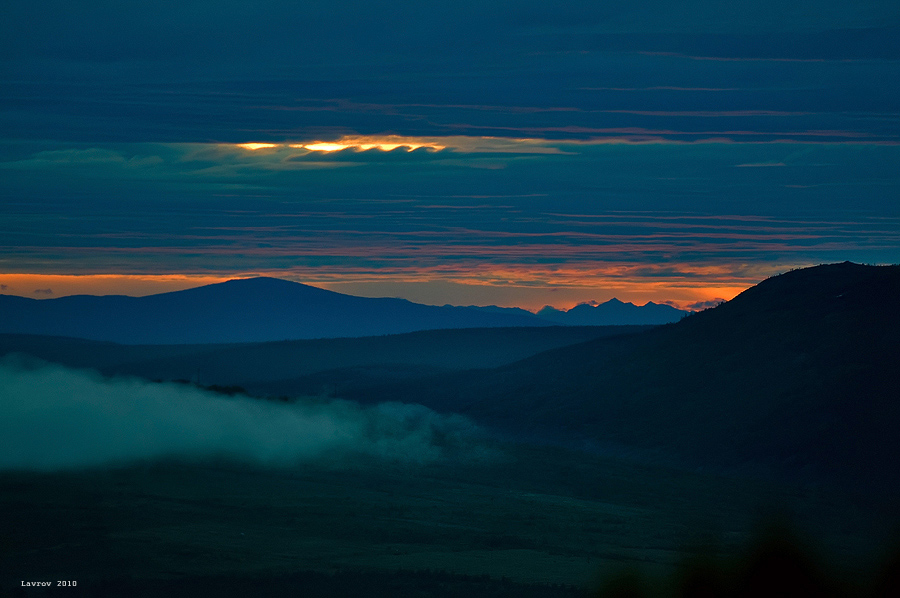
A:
[(800, 373), (613, 312), (251, 310)]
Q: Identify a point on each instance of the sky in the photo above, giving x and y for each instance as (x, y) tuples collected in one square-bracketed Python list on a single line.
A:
[(495, 152)]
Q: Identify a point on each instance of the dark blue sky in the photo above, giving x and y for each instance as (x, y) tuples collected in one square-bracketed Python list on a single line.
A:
[(648, 151)]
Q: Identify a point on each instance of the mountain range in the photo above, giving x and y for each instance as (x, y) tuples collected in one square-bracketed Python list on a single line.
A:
[(612, 312), (270, 309), (799, 374)]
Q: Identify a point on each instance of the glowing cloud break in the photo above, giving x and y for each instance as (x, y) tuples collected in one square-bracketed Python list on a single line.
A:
[(359, 143)]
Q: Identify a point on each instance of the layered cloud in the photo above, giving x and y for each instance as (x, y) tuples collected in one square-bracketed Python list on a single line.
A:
[(498, 142), (467, 210)]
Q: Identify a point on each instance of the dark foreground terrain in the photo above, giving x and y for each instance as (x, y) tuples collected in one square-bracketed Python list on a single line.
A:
[(752, 442), (522, 521)]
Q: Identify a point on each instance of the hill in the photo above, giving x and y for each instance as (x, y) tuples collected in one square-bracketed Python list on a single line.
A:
[(251, 310), (799, 373)]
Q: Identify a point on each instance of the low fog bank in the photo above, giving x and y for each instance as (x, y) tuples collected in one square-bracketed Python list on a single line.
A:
[(54, 418)]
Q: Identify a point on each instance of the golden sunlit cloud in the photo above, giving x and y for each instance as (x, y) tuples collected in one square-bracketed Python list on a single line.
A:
[(358, 142), (387, 143), (322, 147), (363, 142), (257, 146)]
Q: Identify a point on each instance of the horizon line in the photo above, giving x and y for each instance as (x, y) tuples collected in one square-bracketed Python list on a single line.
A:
[(47, 286)]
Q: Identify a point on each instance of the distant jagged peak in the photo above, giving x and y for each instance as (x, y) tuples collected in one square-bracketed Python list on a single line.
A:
[(614, 303), (612, 312)]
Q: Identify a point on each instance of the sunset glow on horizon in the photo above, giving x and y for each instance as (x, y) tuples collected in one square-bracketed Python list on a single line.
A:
[(428, 288)]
